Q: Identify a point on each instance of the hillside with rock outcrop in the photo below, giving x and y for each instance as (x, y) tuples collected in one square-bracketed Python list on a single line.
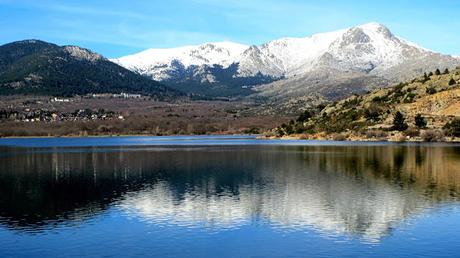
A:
[(424, 108)]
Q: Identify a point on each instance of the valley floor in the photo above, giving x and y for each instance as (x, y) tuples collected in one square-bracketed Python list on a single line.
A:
[(81, 116)]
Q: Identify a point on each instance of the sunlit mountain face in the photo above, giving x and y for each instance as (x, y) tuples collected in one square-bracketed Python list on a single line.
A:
[(330, 64), (361, 192)]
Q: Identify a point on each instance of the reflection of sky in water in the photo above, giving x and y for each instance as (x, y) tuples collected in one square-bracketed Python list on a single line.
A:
[(113, 234), (209, 140), (254, 200)]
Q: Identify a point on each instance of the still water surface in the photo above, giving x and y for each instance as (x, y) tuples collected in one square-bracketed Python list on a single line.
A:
[(227, 197)]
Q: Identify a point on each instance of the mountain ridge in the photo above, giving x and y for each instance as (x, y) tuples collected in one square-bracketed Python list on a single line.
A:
[(370, 49), (39, 67)]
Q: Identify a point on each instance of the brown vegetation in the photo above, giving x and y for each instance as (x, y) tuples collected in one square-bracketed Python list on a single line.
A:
[(140, 116), (423, 109)]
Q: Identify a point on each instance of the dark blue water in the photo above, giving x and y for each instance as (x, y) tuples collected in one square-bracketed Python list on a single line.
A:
[(227, 197)]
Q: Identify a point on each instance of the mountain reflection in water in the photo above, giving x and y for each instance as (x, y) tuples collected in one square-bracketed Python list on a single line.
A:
[(360, 191)]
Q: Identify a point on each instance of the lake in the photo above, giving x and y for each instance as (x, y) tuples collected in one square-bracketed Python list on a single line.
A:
[(228, 196)]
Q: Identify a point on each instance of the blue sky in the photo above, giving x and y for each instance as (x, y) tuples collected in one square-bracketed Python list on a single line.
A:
[(115, 28)]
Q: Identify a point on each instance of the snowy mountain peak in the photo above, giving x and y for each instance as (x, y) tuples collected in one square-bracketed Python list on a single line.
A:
[(229, 45), (370, 49), (277, 58), (208, 53), (373, 26), (360, 48), (159, 63)]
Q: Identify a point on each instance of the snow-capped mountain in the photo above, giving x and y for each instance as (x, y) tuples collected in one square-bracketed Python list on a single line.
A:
[(364, 48), (161, 64), (368, 50)]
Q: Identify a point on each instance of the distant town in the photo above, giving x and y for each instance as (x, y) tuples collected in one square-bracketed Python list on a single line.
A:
[(23, 113)]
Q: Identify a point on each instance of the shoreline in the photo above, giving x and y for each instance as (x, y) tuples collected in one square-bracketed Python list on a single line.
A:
[(362, 139), (322, 138), (121, 135)]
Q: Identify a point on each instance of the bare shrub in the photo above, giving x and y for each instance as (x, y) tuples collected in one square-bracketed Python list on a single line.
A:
[(303, 137), (338, 137), (400, 138), (412, 132), (432, 136), (453, 128), (376, 134)]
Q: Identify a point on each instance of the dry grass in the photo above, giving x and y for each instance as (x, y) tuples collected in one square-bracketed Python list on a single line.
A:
[(142, 117)]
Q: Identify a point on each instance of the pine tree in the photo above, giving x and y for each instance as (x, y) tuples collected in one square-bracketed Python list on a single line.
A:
[(430, 74), (452, 81), (305, 116), (437, 72), (446, 71), (399, 122), (420, 121), (425, 77)]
